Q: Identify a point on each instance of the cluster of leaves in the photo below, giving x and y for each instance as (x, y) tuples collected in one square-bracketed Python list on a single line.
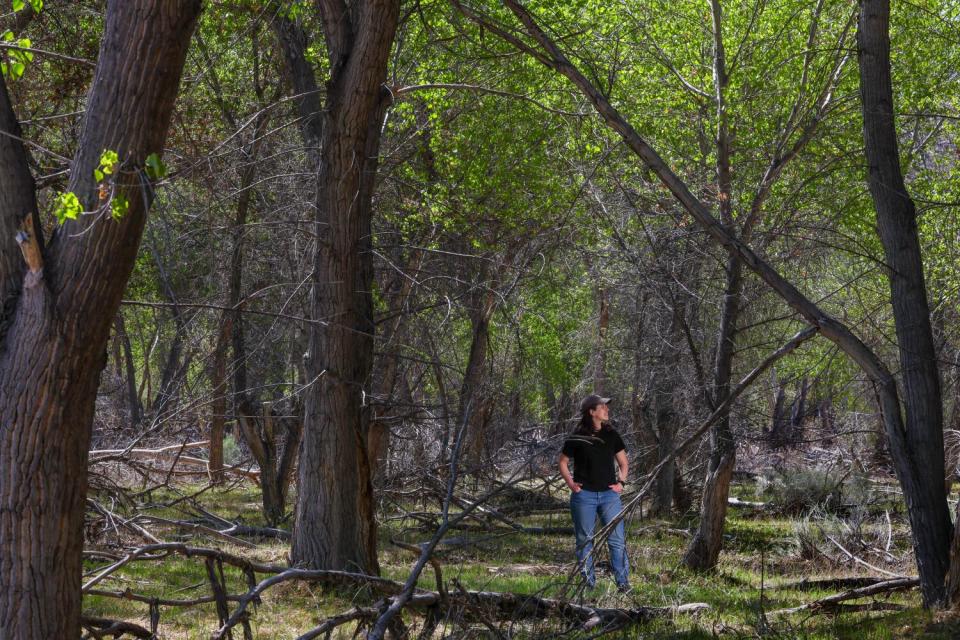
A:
[(67, 205)]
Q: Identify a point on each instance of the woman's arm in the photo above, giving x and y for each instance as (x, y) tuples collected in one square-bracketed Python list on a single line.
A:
[(624, 466), (565, 474)]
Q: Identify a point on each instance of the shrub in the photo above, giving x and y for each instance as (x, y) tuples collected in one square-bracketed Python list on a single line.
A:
[(798, 491)]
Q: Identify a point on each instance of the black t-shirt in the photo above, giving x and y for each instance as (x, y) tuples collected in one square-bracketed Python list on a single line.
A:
[(594, 462)]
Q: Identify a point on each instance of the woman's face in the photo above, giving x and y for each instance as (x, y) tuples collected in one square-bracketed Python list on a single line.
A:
[(600, 412)]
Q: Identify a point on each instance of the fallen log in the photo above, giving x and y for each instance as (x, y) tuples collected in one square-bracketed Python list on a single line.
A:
[(846, 582), (830, 603)]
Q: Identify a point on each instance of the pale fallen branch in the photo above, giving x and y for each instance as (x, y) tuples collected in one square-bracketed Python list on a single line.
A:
[(737, 502), (861, 560), (174, 451), (830, 603)]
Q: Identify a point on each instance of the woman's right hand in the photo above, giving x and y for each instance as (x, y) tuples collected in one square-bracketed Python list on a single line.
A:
[(576, 487)]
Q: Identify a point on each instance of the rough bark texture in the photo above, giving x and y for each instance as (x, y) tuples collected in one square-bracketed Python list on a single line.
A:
[(59, 324), (472, 412), (335, 526), (17, 201), (918, 450)]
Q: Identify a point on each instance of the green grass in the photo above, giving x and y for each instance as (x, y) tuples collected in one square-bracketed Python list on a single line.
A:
[(760, 549)]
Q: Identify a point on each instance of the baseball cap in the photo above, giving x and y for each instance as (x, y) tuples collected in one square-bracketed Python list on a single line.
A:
[(592, 400)]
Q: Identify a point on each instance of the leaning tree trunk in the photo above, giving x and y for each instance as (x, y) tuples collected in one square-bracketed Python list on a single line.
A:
[(918, 452), (58, 325), (335, 526)]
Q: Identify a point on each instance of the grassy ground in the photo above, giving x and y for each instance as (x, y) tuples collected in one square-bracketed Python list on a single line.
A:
[(763, 555)]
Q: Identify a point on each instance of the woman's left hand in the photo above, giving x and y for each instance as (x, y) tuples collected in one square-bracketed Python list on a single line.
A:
[(617, 488)]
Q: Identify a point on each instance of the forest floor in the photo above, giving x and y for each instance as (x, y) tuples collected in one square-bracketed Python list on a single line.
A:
[(766, 558)]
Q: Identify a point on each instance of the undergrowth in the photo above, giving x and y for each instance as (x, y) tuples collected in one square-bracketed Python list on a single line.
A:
[(764, 561)]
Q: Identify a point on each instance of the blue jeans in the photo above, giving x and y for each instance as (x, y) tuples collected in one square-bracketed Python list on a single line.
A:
[(585, 507)]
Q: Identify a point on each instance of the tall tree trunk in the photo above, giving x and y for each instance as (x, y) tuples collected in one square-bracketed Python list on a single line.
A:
[(919, 460), (335, 525), (704, 548), (55, 343), (472, 408)]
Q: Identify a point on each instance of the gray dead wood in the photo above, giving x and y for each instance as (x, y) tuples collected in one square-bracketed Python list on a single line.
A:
[(829, 604)]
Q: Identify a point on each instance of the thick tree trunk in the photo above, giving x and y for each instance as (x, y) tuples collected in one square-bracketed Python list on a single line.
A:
[(918, 459), (55, 345), (472, 413), (335, 526)]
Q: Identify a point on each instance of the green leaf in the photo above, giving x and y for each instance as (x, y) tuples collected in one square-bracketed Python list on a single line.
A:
[(17, 69), (108, 164), (119, 206), (36, 5), (18, 5), (8, 36), (67, 207), (155, 167)]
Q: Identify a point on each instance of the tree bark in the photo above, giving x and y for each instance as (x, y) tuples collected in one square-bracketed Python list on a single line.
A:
[(918, 451), (335, 526), (55, 344), (471, 412)]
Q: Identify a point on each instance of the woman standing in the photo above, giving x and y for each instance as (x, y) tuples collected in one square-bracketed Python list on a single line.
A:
[(599, 471)]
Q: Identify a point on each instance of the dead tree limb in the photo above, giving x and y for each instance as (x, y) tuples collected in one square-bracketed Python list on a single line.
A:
[(830, 602), (103, 627)]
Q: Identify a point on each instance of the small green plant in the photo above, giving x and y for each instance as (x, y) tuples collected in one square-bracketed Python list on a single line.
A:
[(17, 58), (108, 164), (20, 5), (67, 207)]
